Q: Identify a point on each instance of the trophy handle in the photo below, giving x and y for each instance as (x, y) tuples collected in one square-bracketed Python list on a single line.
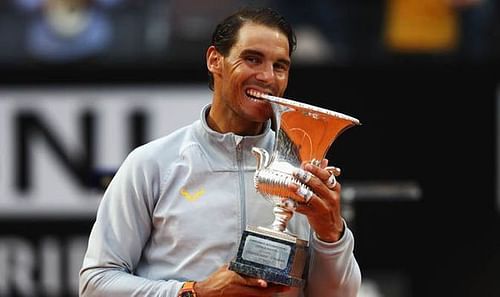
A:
[(262, 157)]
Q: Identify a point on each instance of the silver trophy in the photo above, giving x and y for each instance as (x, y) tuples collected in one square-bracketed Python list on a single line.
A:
[(304, 133)]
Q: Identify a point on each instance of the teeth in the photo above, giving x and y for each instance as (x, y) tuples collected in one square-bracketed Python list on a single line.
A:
[(255, 93)]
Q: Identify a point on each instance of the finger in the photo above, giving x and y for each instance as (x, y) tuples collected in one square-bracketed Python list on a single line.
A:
[(259, 292), (260, 287), (316, 180), (324, 163), (331, 182), (304, 209), (325, 199), (320, 180), (306, 196), (303, 193), (255, 282), (312, 183), (302, 175), (333, 170), (262, 283), (321, 173), (327, 175)]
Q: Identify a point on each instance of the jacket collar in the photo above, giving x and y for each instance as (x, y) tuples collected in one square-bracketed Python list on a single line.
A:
[(226, 143)]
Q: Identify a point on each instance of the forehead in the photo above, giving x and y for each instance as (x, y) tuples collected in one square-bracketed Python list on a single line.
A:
[(257, 35)]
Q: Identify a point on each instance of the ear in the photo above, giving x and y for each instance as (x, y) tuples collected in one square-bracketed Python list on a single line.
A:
[(214, 60)]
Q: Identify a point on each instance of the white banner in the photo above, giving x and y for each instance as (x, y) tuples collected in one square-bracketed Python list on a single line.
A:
[(48, 134)]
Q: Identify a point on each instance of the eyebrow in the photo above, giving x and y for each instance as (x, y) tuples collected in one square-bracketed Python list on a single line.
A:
[(260, 54)]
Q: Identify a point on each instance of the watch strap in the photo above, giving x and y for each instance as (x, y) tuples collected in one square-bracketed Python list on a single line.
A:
[(187, 290)]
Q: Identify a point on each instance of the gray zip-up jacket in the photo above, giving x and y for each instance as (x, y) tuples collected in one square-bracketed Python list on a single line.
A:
[(176, 210)]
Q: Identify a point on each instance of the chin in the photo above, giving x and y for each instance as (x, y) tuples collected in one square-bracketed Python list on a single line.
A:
[(263, 114)]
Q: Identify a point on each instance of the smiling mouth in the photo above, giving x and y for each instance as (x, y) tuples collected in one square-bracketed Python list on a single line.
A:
[(254, 94)]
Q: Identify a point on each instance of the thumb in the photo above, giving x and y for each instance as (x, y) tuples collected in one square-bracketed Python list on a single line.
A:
[(256, 282)]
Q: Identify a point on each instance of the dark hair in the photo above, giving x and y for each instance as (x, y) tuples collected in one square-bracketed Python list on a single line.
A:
[(226, 32)]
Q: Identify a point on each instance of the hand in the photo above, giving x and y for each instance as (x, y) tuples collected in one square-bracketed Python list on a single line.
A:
[(225, 282), (323, 208)]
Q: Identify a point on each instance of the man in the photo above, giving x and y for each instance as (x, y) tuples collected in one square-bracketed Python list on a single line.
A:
[(172, 218)]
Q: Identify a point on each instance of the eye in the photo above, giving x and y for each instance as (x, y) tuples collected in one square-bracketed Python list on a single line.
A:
[(281, 67), (253, 59)]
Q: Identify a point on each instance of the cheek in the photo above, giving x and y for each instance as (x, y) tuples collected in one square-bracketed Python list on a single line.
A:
[(236, 76), (237, 69), (283, 83)]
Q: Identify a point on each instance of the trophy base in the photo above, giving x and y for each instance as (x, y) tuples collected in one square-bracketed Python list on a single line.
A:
[(270, 255)]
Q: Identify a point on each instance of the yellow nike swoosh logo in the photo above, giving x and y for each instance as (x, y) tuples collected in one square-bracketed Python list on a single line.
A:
[(192, 197)]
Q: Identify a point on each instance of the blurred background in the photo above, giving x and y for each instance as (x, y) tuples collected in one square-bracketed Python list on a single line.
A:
[(85, 81)]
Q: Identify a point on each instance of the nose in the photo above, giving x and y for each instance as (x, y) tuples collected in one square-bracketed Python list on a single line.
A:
[(265, 73)]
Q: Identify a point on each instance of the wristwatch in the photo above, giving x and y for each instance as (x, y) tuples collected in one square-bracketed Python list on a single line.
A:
[(187, 290)]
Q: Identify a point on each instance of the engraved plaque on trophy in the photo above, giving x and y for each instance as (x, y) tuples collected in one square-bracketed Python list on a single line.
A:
[(304, 133)]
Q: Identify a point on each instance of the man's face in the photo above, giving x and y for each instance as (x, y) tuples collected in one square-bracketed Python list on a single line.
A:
[(258, 60)]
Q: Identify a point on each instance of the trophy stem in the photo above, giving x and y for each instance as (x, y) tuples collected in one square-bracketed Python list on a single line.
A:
[(282, 216)]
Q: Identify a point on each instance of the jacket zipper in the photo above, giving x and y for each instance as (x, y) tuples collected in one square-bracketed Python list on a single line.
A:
[(239, 161)]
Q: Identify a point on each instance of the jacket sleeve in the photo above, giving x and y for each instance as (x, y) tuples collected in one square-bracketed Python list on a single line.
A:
[(333, 268), (121, 229)]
